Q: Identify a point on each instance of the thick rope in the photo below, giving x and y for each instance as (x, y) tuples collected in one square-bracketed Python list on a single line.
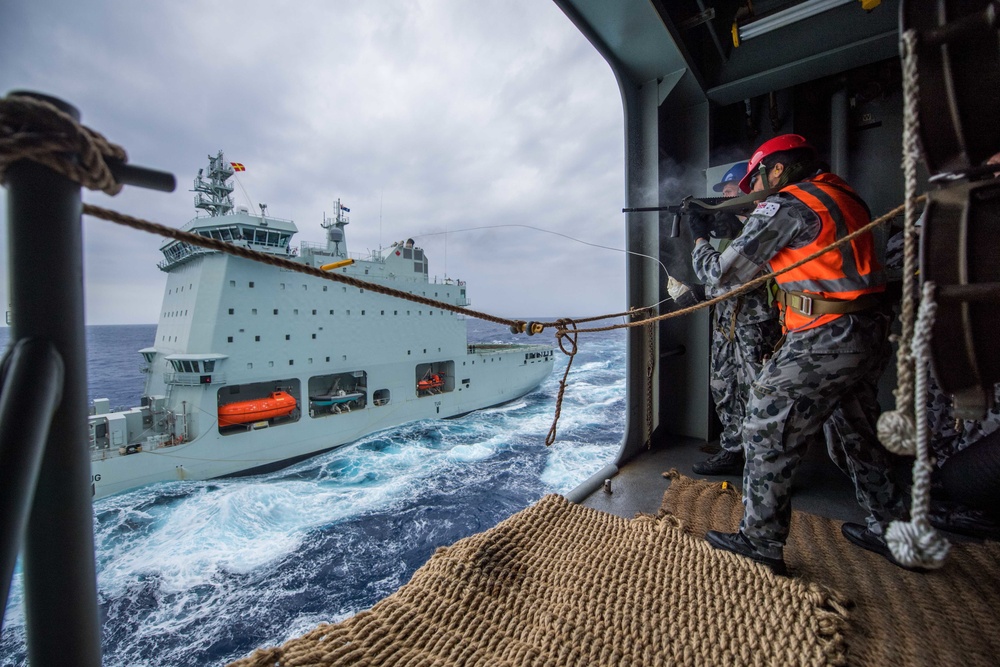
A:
[(566, 333), (36, 130), (25, 128), (745, 287), (281, 262), (516, 326), (916, 543), (24, 120), (895, 427)]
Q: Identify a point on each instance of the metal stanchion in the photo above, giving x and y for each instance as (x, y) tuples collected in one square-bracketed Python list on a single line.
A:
[(47, 332)]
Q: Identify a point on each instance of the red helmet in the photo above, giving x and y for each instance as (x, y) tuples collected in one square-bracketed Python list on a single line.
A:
[(783, 142)]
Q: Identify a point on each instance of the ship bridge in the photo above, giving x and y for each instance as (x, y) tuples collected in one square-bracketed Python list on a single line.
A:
[(195, 369), (261, 233)]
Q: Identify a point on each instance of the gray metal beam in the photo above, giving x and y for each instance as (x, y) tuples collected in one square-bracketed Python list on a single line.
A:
[(793, 72)]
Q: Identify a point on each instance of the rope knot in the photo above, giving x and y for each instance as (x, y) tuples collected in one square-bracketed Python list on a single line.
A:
[(896, 432), (567, 331), (34, 129), (916, 544)]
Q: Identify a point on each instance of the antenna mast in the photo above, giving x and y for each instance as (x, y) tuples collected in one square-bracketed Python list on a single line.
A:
[(214, 195)]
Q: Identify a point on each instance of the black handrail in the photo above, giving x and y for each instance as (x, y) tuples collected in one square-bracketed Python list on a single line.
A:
[(32, 380), (46, 289)]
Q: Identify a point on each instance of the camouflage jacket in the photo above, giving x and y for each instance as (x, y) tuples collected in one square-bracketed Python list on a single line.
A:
[(786, 223)]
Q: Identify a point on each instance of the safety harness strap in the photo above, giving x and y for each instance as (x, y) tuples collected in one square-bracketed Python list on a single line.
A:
[(814, 304)]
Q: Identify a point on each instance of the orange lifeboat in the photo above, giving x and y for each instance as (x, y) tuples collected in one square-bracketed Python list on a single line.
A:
[(433, 382), (278, 404)]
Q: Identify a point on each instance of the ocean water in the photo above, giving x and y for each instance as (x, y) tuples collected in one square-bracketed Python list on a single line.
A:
[(201, 573)]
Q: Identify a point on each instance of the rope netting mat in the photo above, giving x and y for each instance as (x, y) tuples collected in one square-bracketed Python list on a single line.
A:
[(562, 584), (896, 617)]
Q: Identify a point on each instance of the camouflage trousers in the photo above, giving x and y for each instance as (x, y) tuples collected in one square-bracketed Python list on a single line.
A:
[(799, 392), (948, 435), (737, 357)]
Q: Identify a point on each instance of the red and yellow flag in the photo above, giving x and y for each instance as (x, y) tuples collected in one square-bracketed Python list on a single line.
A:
[(238, 166)]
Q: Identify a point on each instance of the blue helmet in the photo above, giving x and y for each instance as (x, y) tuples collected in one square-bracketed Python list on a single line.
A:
[(735, 173)]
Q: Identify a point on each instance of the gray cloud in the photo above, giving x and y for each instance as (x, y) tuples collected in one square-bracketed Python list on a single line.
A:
[(423, 116)]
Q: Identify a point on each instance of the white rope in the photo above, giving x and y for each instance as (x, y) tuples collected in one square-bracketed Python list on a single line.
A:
[(916, 543), (895, 428), (896, 432)]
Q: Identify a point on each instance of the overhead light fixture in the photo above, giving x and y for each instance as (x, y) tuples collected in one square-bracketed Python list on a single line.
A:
[(786, 17)]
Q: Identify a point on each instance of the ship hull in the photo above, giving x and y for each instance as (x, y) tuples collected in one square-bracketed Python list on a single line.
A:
[(502, 375)]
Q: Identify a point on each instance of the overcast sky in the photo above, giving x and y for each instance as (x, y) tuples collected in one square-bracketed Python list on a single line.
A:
[(422, 116)]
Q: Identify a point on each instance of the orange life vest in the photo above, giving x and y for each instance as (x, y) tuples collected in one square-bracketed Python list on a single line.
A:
[(844, 273)]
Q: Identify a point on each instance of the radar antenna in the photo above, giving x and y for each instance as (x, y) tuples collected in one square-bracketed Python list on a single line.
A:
[(214, 195), (336, 243)]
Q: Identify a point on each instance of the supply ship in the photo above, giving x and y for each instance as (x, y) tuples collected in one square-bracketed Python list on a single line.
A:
[(702, 84), (255, 367)]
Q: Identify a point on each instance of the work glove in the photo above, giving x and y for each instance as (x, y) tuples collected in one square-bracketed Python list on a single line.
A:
[(682, 295), (701, 225)]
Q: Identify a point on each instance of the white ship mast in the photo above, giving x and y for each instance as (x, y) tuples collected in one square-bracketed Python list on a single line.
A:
[(214, 195), (336, 240)]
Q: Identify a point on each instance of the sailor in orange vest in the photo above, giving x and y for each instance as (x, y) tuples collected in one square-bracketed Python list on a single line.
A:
[(835, 347)]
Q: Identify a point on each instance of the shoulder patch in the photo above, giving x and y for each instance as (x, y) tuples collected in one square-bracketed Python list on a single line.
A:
[(766, 209)]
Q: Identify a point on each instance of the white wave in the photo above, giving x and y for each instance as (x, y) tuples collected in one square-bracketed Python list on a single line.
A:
[(513, 406), (468, 453), (234, 527), (569, 463)]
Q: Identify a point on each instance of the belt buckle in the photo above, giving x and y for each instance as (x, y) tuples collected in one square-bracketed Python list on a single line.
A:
[(805, 304)]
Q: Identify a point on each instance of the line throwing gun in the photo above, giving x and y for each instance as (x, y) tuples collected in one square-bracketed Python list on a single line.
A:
[(722, 209)]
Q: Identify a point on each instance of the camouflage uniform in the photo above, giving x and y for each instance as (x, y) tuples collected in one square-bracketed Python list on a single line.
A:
[(744, 331), (821, 378), (948, 435)]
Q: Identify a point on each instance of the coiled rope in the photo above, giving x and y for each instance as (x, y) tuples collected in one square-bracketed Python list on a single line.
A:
[(896, 427), (33, 129), (916, 543), (571, 338), (36, 130), (904, 430)]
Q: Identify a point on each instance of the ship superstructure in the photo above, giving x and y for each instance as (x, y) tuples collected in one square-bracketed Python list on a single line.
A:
[(254, 367)]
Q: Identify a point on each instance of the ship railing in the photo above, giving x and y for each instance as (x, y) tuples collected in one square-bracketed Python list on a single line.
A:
[(183, 252), (214, 218), (309, 248), (312, 247), (271, 248), (194, 379), (186, 253)]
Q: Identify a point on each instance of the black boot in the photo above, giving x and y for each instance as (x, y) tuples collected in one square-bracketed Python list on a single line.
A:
[(957, 518), (866, 539), (739, 544), (723, 463)]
